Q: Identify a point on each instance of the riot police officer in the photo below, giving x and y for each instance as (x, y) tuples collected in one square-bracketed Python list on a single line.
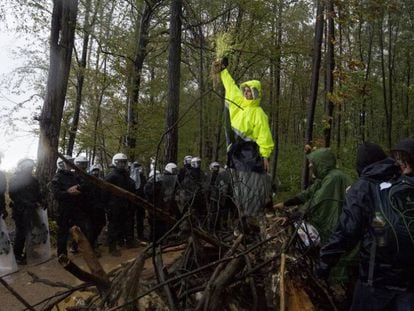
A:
[(119, 211), (24, 191), (71, 193), (138, 176)]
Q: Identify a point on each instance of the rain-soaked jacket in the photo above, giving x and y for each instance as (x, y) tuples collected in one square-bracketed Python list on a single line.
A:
[(247, 118), (322, 201), (355, 226)]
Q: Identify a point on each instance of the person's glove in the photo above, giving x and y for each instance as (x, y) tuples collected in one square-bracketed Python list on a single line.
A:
[(224, 62)]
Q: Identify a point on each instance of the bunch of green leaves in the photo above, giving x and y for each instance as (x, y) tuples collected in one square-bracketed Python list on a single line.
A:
[(224, 45)]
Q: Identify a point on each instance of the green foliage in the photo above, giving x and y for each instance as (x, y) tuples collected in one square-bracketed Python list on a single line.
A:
[(224, 45), (289, 171), (248, 32)]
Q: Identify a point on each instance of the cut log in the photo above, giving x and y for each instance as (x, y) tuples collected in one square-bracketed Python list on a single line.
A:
[(82, 275), (88, 254)]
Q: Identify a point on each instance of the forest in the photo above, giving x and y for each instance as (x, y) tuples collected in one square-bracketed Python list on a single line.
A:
[(334, 73), (135, 76)]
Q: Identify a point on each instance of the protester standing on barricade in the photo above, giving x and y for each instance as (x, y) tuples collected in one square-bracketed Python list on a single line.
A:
[(250, 145)]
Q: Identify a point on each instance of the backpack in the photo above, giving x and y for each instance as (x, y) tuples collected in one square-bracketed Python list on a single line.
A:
[(392, 225), (393, 222)]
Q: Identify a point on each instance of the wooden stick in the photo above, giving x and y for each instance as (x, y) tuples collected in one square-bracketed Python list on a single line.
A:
[(131, 280), (88, 254), (252, 282), (222, 281), (216, 272), (82, 275), (15, 294), (282, 282), (171, 298), (36, 279)]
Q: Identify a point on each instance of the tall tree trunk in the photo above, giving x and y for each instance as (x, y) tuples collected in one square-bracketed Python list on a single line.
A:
[(174, 60), (201, 92), (277, 81), (384, 79), (407, 126), (390, 80), (316, 63), (363, 111), (330, 67), (61, 45), (340, 106), (80, 77), (142, 39)]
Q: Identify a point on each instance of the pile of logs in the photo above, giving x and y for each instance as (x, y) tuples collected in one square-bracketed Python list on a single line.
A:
[(261, 266), (252, 271)]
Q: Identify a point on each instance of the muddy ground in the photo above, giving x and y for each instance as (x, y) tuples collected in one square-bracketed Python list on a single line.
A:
[(33, 293)]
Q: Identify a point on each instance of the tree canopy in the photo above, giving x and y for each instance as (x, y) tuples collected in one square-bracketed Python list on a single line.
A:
[(120, 74)]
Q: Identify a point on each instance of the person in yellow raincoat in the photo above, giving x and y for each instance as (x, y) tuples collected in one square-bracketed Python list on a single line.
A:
[(253, 143)]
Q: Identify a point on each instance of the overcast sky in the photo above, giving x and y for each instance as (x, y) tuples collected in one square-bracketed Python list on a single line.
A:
[(16, 142)]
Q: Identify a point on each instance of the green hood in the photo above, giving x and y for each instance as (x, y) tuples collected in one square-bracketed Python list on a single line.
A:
[(256, 88), (323, 161)]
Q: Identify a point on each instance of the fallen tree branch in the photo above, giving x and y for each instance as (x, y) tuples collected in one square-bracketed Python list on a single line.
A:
[(219, 268), (36, 279), (82, 275), (88, 254), (171, 298), (222, 281)]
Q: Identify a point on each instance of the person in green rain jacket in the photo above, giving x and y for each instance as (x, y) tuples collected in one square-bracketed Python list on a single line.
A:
[(321, 206), (253, 143), (321, 203)]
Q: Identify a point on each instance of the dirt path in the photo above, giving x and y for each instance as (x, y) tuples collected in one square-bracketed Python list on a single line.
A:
[(22, 282)]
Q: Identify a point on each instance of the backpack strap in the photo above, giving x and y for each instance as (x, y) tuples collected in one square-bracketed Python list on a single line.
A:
[(373, 250), (372, 255)]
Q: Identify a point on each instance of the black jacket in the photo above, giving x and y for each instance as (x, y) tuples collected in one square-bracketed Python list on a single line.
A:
[(355, 226), (120, 178), (59, 185), (24, 191)]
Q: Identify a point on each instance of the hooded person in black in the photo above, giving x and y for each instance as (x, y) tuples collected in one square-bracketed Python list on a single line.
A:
[(403, 153), (389, 285)]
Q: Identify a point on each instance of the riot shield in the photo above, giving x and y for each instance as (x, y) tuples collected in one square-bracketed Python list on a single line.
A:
[(7, 260), (38, 239)]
